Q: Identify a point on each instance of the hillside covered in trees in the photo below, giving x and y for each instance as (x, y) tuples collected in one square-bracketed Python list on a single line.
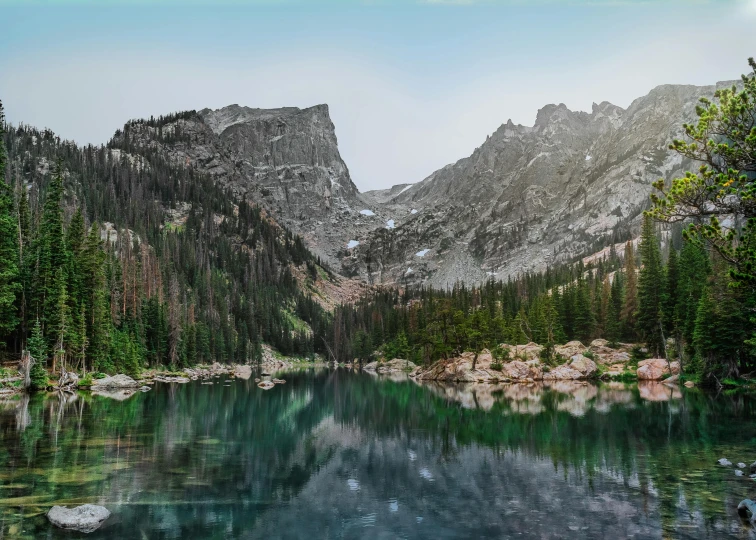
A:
[(112, 261), (695, 303)]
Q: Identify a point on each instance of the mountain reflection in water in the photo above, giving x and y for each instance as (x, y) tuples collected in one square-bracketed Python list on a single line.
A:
[(337, 454)]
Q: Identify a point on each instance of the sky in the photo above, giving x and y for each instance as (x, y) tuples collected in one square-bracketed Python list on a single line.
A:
[(411, 85)]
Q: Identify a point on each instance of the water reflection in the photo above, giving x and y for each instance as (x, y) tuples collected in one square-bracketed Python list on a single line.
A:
[(340, 454)]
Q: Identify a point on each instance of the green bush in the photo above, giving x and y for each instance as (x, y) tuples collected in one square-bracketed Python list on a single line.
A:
[(638, 352), (497, 366)]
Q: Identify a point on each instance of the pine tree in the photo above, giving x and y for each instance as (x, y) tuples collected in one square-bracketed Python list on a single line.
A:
[(10, 285), (650, 289), (694, 269), (614, 324), (671, 289), (49, 279), (585, 317), (38, 349), (630, 301)]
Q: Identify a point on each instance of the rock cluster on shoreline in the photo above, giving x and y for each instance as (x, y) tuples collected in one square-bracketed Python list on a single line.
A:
[(524, 364)]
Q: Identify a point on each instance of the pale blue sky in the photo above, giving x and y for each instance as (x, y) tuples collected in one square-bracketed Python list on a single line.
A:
[(411, 85)]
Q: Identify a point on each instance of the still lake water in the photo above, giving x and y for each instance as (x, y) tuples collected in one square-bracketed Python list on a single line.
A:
[(336, 454)]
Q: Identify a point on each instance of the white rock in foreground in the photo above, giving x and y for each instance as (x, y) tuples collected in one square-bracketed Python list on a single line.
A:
[(85, 518), (367, 212), (352, 244)]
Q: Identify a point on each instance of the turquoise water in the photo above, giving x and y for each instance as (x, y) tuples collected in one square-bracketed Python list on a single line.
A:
[(336, 454)]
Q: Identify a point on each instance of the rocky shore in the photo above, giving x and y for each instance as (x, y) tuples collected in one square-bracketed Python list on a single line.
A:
[(523, 363)]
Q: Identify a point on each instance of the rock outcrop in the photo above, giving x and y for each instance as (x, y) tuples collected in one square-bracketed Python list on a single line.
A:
[(570, 349), (85, 518), (579, 367), (287, 160), (532, 196), (655, 369), (397, 365), (116, 381), (460, 369), (527, 198)]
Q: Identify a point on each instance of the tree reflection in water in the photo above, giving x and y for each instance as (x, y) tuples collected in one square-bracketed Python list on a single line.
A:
[(342, 454)]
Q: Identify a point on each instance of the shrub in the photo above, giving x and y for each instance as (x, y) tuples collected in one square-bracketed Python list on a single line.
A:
[(638, 352), (497, 366)]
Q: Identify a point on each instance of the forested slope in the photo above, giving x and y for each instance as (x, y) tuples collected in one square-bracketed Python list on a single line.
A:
[(128, 260)]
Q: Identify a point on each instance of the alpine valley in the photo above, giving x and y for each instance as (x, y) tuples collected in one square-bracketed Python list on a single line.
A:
[(527, 198)]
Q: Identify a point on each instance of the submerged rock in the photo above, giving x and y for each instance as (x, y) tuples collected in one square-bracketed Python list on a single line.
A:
[(747, 509), (116, 381), (724, 461), (278, 381), (266, 385), (85, 518)]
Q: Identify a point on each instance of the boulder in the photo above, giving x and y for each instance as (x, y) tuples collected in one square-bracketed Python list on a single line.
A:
[(689, 384), (397, 365), (116, 381), (654, 369), (521, 371), (674, 379), (85, 518), (526, 353), (265, 385), (172, 379), (747, 509), (243, 372), (579, 367), (603, 354), (278, 381), (570, 349)]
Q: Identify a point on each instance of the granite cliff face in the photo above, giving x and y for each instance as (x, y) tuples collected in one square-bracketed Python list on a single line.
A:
[(533, 196), (528, 197), (286, 160)]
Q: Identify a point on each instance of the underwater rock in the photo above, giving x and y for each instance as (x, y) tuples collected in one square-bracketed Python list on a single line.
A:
[(724, 461), (266, 385), (747, 509), (85, 518)]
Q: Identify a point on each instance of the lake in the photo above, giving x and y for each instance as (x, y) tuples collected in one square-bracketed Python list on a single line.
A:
[(338, 454)]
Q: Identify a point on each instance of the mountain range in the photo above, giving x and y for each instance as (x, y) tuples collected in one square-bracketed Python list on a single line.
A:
[(527, 198)]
